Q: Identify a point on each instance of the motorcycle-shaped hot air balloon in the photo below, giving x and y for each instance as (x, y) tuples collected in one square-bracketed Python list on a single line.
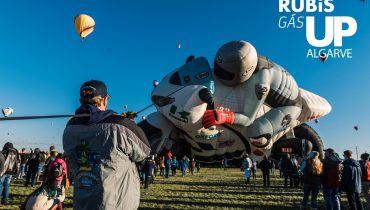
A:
[(183, 96), (84, 25)]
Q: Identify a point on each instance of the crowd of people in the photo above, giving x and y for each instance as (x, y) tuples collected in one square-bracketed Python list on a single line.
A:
[(148, 169), (332, 174), (45, 170)]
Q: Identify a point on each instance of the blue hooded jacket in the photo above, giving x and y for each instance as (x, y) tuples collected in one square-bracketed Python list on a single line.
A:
[(351, 177)]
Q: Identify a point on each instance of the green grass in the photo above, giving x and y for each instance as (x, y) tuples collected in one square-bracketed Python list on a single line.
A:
[(212, 188)]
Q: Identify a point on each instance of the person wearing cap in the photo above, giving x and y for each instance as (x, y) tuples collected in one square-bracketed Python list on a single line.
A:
[(255, 80), (351, 180), (331, 179), (102, 148)]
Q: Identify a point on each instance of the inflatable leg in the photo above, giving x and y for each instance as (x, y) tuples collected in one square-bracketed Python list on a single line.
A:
[(275, 121)]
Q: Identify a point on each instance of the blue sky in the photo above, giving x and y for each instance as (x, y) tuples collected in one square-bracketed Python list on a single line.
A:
[(43, 63)]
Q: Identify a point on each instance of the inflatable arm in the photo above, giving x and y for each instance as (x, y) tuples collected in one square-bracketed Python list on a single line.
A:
[(254, 102)]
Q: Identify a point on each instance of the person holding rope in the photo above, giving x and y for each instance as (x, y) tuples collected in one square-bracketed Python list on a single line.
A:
[(102, 149)]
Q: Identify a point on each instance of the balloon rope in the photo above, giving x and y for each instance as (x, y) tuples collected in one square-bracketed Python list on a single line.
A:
[(42, 117), (70, 115)]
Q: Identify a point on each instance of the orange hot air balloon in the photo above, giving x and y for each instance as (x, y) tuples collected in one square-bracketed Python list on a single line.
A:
[(179, 46), (84, 25)]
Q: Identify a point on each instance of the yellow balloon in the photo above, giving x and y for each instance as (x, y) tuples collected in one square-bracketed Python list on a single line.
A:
[(84, 25)]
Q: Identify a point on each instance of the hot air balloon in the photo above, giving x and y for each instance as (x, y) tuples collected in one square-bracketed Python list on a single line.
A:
[(355, 127), (7, 111), (125, 106), (84, 25), (155, 83), (179, 46), (323, 57)]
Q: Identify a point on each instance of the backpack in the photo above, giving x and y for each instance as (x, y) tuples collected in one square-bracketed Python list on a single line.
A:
[(57, 170)]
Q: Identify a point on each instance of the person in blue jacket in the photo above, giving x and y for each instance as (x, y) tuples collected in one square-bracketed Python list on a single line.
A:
[(184, 165), (167, 166), (175, 165), (351, 181)]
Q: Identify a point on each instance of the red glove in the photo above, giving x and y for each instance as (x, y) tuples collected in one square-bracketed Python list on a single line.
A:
[(217, 117)]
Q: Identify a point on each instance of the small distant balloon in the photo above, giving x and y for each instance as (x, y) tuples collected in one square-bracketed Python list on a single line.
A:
[(179, 46), (143, 118), (323, 57), (155, 83), (125, 106), (8, 134), (355, 127), (7, 111), (316, 121)]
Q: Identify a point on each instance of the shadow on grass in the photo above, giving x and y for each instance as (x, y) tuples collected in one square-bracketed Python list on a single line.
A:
[(239, 193), (219, 184), (216, 205)]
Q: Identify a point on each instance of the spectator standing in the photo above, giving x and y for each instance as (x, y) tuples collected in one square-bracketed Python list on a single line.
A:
[(332, 174), (175, 165), (10, 169), (365, 168), (273, 167), (161, 166), (312, 179), (102, 148), (23, 160), (247, 164), (265, 166), (167, 165), (287, 168), (198, 166), (41, 166), (225, 163), (148, 169), (295, 174), (156, 161), (192, 166), (254, 168), (351, 180), (32, 166), (281, 175), (184, 165)]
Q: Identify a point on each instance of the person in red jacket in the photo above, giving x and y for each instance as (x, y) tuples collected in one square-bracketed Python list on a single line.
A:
[(365, 168)]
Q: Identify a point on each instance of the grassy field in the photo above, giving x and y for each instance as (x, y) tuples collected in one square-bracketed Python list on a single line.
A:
[(212, 188)]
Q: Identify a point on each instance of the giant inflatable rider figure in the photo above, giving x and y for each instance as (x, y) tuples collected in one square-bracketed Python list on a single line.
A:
[(247, 104)]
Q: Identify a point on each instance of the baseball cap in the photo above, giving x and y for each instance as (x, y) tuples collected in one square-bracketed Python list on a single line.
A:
[(93, 88)]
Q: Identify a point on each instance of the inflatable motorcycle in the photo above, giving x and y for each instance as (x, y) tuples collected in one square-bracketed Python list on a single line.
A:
[(246, 104)]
